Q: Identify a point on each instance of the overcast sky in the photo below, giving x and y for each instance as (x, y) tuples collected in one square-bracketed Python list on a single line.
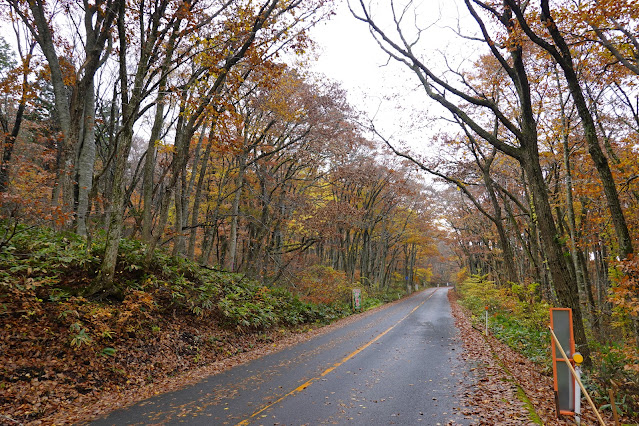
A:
[(349, 54)]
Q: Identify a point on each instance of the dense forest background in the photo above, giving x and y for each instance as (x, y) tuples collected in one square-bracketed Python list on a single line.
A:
[(183, 126), (543, 156), (196, 128)]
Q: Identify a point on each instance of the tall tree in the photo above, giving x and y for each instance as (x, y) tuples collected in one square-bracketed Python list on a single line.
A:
[(156, 31), (74, 89), (13, 76), (561, 52), (520, 139)]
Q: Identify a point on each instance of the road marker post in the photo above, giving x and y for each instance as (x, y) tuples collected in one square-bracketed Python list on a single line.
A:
[(357, 299), (486, 333), (578, 359), (564, 385)]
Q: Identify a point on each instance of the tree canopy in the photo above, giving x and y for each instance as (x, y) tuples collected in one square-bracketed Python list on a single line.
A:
[(185, 125)]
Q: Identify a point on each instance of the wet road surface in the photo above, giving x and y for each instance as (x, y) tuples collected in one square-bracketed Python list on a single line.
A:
[(396, 365)]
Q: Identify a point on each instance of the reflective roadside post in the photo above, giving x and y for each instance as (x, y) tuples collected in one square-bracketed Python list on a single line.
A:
[(564, 383), (578, 358), (486, 320), (568, 385), (357, 299)]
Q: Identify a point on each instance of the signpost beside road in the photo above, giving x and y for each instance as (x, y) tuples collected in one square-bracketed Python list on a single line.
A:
[(561, 324), (566, 366), (356, 299)]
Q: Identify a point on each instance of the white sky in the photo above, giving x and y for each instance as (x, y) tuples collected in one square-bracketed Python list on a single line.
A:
[(348, 53), (385, 90)]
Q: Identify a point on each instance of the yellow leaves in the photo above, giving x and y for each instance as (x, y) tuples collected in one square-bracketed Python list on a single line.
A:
[(164, 148), (424, 274), (461, 275), (296, 225)]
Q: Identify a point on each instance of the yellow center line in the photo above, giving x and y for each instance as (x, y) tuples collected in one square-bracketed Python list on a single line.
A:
[(333, 367)]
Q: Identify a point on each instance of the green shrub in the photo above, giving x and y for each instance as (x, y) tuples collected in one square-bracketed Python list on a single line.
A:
[(528, 306), (529, 341), (517, 316), (477, 294), (39, 264), (370, 303), (38, 257)]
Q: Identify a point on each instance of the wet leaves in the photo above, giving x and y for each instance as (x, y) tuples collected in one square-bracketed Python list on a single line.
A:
[(46, 380), (503, 382)]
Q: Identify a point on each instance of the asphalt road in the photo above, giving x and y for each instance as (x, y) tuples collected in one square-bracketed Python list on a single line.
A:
[(397, 365)]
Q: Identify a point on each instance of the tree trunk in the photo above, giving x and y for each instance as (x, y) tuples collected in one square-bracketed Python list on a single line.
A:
[(509, 258), (199, 188), (10, 138), (563, 282), (149, 165), (76, 111), (561, 52), (130, 106), (235, 211), (86, 160), (7, 151), (178, 238)]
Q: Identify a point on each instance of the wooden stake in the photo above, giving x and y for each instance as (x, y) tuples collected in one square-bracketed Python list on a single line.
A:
[(611, 394)]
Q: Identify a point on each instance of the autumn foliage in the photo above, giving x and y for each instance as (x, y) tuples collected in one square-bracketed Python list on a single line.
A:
[(176, 158), (319, 284), (540, 161), (175, 187), (59, 350), (209, 144)]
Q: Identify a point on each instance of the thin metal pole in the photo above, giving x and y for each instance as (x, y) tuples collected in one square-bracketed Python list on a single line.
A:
[(486, 321), (578, 396)]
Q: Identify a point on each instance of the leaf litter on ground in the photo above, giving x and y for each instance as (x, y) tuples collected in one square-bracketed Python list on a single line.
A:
[(44, 380), (508, 388)]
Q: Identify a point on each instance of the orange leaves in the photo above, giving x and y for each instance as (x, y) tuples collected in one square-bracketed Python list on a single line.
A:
[(321, 284), (284, 98), (28, 199), (624, 294), (137, 306)]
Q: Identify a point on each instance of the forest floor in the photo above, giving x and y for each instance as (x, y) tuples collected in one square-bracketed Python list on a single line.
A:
[(509, 388), (44, 381)]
